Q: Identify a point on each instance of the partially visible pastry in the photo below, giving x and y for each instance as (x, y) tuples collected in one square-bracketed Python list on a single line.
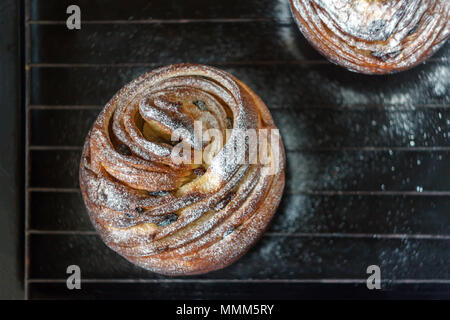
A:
[(167, 200), (374, 36)]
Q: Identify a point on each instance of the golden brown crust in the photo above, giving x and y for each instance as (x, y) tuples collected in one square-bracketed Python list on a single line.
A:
[(374, 36), (180, 218)]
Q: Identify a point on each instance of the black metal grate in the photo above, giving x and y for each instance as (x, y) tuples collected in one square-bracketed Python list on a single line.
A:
[(368, 157)]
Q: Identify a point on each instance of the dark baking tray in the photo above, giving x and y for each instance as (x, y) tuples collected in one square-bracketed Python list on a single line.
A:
[(367, 156)]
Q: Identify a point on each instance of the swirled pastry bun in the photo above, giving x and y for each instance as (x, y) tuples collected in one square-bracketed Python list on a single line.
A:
[(164, 198), (374, 36)]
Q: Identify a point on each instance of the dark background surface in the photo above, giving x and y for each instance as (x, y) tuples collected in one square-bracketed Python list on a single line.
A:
[(11, 155), (368, 157)]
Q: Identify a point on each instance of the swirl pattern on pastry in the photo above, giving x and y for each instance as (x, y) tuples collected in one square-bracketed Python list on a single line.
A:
[(374, 36), (174, 217)]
